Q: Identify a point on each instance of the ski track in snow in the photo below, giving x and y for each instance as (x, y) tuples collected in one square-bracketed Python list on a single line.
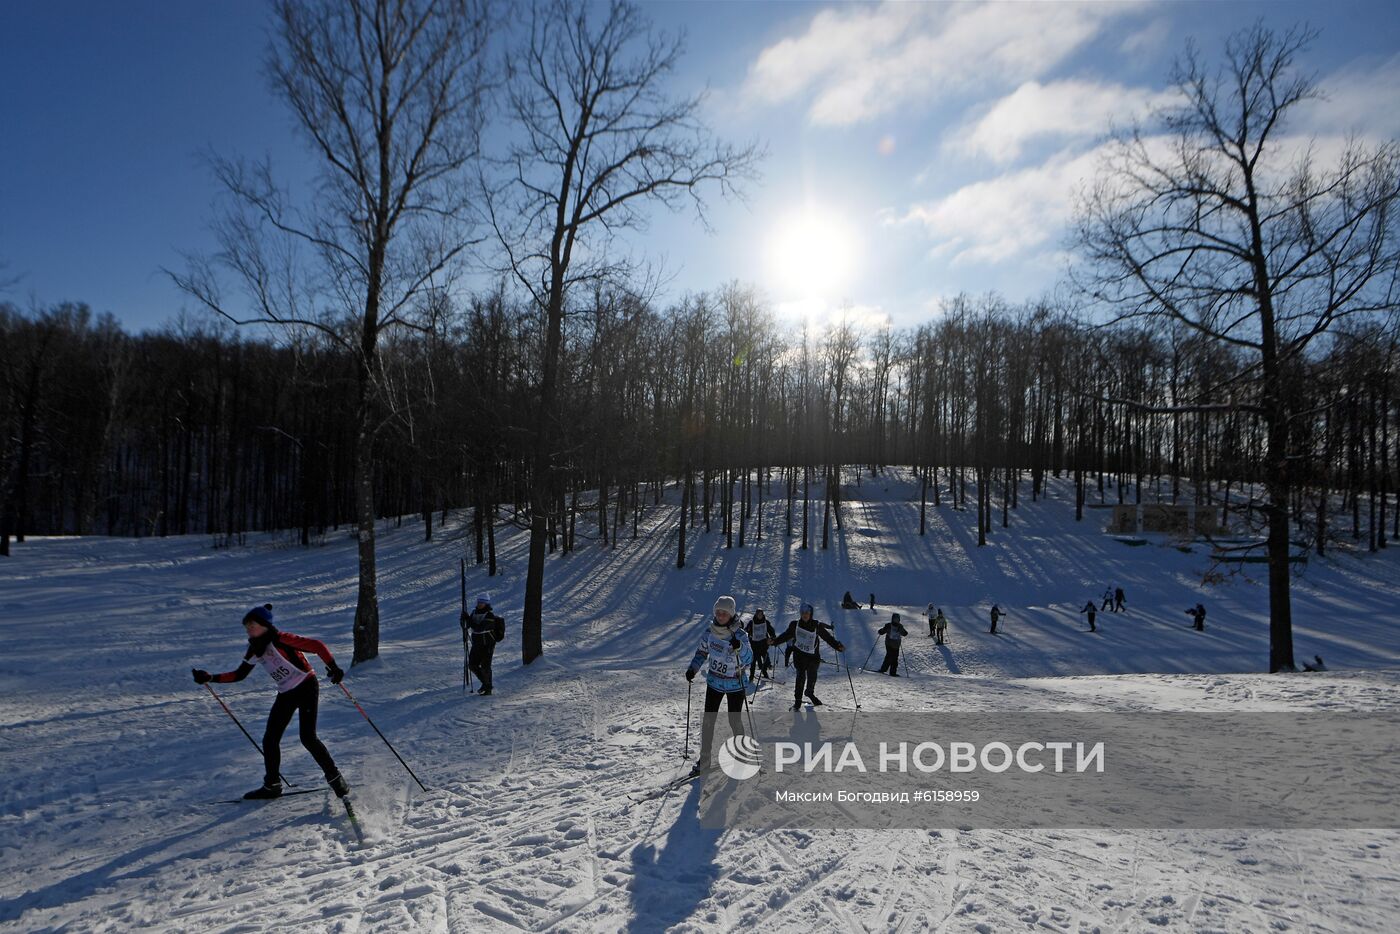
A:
[(112, 756)]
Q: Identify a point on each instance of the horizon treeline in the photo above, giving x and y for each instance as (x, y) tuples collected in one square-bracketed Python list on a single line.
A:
[(198, 427)]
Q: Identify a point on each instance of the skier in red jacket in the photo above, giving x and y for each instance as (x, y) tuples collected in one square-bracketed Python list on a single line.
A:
[(280, 654)]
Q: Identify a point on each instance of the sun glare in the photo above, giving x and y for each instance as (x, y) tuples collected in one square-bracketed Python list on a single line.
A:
[(812, 255)]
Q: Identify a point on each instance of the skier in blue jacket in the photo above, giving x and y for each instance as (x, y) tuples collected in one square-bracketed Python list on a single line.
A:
[(725, 652)]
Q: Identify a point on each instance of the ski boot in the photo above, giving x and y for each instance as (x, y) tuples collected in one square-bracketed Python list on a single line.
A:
[(339, 785), (484, 692), (813, 699), (273, 790)]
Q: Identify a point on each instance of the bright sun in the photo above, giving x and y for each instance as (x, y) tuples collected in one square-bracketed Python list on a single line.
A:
[(812, 255)]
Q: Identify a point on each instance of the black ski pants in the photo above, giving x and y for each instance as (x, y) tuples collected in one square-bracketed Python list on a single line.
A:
[(479, 661), (891, 662), (807, 668), (713, 698), (760, 659), (301, 700)]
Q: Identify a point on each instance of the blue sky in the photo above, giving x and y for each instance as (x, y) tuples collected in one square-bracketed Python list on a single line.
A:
[(915, 150)]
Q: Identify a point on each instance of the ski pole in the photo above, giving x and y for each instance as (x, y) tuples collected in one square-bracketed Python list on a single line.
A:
[(245, 732), (851, 683), (466, 655), (689, 686), (745, 691), (867, 657), (381, 735)]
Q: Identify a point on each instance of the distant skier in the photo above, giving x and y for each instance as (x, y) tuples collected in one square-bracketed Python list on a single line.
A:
[(894, 633), (1198, 616), (725, 652), (1107, 599), (1118, 600), (280, 654), (929, 613), (1092, 611), (940, 628), (872, 603), (997, 614), (848, 602), (803, 633), (1316, 664), (760, 634), (485, 629)]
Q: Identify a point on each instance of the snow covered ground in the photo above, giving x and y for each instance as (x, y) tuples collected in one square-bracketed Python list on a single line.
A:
[(112, 756)]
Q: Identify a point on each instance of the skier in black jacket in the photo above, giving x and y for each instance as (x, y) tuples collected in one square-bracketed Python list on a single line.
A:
[(760, 634), (1092, 610), (803, 633), (485, 629), (1198, 617), (894, 633)]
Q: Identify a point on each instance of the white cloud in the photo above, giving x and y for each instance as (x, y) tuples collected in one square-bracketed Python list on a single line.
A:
[(1146, 40), (992, 220), (1362, 98), (1071, 109), (857, 64), (1024, 213)]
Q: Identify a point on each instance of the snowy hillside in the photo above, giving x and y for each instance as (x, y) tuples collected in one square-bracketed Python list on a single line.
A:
[(113, 756)]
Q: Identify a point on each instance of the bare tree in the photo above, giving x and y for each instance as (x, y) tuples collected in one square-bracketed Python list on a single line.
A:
[(1231, 229), (387, 93), (598, 139)]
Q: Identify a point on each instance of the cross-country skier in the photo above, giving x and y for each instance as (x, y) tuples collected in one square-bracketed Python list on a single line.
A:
[(872, 603), (725, 652), (1198, 616), (760, 634), (940, 628), (485, 629), (1118, 599), (1092, 610), (1107, 599), (280, 654), (848, 602), (929, 613), (1316, 665), (803, 633), (996, 615), (894, 633)]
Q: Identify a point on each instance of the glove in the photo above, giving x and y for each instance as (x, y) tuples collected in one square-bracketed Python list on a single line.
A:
[(734, 643), (334, 673), (840, 647), (690, 674), (201, 676)]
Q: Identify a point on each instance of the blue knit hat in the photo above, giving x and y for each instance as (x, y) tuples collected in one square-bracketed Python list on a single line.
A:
[(260, 614)]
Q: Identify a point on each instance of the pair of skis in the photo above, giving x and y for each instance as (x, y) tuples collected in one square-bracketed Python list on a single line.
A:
[(349, 808)]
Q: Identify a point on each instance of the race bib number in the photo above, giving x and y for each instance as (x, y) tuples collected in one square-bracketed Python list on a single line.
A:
[(723, 667), (724, 661), (284, 674), (805, 640)]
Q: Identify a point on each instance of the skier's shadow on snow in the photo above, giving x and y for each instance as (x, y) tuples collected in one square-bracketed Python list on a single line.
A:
[(668, 884), (948, 659)]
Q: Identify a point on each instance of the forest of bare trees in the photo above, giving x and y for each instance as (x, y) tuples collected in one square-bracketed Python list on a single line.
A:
[(204, 429), (1263, 381)]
